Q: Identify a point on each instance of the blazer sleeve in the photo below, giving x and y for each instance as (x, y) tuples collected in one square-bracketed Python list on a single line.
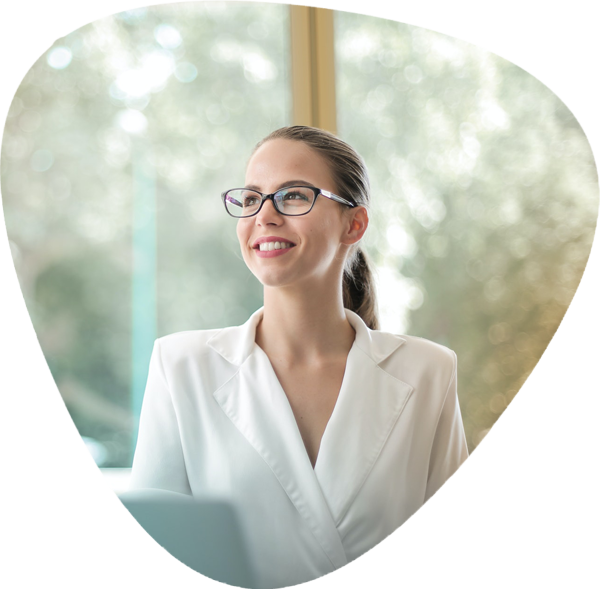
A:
[(449, 449), (158, 462)]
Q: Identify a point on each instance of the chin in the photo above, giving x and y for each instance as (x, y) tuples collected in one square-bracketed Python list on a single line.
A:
[(270, 276), (273, 279)]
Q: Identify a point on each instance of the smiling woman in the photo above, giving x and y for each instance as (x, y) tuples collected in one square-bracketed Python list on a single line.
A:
[(319, 240), (306, 412), (116, 145)]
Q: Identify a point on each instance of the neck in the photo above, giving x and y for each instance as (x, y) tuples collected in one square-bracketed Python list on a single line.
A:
[(305, 326)]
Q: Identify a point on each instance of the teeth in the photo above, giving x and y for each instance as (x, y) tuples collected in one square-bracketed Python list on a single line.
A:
[(267, 246)]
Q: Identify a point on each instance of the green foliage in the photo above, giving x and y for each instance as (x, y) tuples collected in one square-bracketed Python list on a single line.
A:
[(485, 192), (216, 85), (493, 181)]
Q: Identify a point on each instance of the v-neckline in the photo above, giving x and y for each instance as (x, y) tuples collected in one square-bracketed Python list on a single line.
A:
[(335, 409)]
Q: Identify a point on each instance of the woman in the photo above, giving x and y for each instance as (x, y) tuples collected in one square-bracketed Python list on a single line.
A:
[(323, 432)]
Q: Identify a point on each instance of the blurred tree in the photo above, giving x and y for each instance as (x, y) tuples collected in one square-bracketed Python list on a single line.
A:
[(187, 89), (485, 195), (485, 192)]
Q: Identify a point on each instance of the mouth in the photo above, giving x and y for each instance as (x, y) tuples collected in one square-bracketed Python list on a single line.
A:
[(272, 247), (269, 246)]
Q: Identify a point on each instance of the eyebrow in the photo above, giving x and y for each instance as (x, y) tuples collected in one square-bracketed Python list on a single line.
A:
[(284, 185)]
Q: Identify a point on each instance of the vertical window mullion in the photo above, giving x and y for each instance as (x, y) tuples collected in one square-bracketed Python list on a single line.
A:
[(313, 67)]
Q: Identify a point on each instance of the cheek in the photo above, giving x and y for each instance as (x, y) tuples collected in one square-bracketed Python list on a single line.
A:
[(243, 236), (242, 232), (326, 233)]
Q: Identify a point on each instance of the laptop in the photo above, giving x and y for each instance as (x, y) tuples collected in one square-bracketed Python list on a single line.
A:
[(203, 534)]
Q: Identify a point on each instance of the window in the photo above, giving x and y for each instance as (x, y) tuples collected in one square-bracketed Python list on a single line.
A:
[(118, 145), (485, 196), (123, 135)]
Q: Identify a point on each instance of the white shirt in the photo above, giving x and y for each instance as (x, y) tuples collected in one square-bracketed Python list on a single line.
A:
[(216, 422)]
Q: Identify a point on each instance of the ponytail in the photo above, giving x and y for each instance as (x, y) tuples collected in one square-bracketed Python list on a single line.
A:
[(359, 289)]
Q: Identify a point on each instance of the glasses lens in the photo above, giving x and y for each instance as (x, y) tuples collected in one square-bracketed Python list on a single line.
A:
[(295, 200), (241, 203)]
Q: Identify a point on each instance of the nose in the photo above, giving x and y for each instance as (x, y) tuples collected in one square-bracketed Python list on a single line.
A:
[(268, 214)]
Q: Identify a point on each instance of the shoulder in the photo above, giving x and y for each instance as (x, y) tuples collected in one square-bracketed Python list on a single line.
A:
[(178, 346), (417, 359), (194, 337), (190, 363), (427, 349)]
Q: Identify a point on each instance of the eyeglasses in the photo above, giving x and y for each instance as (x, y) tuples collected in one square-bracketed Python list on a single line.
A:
[(291, 201)]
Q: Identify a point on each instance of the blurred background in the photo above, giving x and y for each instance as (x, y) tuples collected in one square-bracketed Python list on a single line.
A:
[(122, 136)]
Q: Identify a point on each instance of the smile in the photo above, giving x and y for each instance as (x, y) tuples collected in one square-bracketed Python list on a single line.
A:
[(271, 249), (269, 246)]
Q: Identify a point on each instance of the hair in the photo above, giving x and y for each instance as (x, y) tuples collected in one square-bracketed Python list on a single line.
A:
[(352, 182)]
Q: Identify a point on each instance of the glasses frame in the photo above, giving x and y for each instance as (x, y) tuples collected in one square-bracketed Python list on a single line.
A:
[(271, 197)]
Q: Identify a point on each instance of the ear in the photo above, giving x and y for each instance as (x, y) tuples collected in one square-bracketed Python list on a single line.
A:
[(358, 221)]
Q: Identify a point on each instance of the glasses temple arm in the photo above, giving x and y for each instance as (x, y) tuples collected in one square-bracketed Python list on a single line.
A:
[(332, 196)]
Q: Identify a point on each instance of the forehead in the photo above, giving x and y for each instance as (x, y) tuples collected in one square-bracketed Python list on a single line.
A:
[(280, 160)]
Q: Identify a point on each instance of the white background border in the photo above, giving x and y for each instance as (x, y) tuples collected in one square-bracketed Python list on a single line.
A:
[(521, 512)]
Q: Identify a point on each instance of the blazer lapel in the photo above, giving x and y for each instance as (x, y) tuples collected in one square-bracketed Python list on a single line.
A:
[(257, 405), (368, 406)]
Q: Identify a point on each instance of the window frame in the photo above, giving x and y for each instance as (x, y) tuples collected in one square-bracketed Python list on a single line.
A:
[(313, 67)]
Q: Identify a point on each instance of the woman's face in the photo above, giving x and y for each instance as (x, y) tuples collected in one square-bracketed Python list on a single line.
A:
[(320, 238)]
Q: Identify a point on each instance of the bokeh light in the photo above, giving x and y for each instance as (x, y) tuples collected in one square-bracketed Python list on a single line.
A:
[(483, 207), (59, 57), (489, 193), (131, 100)]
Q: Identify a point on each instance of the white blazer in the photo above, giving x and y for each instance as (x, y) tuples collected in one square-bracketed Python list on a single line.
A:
[(215, 421)]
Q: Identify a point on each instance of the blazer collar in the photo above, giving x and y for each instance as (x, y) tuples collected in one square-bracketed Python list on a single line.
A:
[(235, 344), (369, 404)]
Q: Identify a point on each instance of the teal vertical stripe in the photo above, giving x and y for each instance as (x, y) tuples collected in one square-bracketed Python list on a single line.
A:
[(143, 303)]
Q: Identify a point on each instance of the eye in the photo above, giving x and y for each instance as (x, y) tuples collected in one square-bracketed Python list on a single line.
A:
[(291, 194), (250, 201), (249, 198)]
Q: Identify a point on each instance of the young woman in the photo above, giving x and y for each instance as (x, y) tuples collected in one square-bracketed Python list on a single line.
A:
[(324, 433)]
